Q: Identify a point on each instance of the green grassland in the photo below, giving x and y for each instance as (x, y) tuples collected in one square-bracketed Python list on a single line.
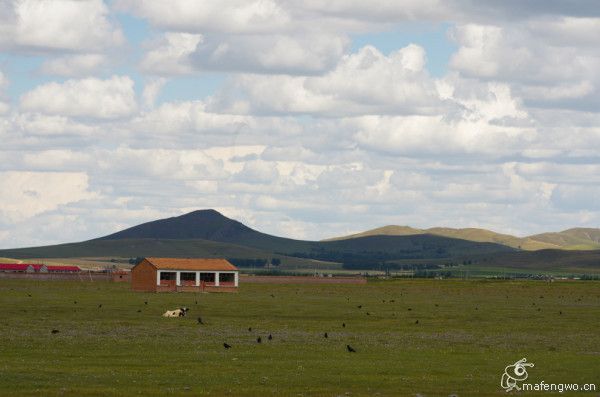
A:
[(467, 332)]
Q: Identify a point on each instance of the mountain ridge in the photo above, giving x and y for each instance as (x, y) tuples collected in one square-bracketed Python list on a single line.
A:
[(573, 238)]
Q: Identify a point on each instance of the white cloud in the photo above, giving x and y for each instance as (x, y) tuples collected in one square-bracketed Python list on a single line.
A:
[(238, 16), (4, 107), (90, 97), (367, 82), (49, 25), (151, 91), (73, 65), (27, 194), (170, 55), (549, 62)]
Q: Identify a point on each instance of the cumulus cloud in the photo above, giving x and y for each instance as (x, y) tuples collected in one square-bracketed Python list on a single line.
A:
[(548, 61), (27, 194), (90, 97), (53, 25), (73, 65), (170, 55), (366, 82), (3, 84), (296, 120)]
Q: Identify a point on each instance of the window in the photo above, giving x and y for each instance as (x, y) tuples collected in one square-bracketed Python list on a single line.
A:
[(188, 276), (226, 278), (207, 277), (168, 276)]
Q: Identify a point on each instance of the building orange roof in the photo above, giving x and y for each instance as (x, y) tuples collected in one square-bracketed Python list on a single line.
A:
[(191, 264)]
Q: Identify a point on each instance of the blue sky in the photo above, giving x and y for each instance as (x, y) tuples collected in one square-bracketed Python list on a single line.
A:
[(305, 120)]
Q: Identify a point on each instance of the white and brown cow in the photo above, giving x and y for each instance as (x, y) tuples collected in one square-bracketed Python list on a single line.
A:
[(182, 311)]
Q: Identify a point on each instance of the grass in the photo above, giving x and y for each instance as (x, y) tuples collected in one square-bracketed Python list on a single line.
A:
[(468, 331)]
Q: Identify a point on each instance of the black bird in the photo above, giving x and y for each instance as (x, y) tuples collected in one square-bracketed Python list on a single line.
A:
[(560, 312), (392, 301), (476, 308), (436, 305), (417, 322), (258, 340), (368, 314), (270, 337), (29, 295), (100, 306), (226, 346), (55, 331), (74, 302), (343, 325), (272, 296), (350, 349), (145, 302), (359, 306), (409, 309), (249, 329), (200, 320), (383, 300), (196, 302), (325, 335)]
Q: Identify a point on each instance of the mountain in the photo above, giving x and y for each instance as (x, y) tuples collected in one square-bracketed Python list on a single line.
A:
[(470, 234), (573, 239), (208, 225), (207, 233)]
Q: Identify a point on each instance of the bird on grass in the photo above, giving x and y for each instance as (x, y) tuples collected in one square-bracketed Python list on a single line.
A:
[(249, 329), (226, 346), (145, 302), (270, 337), (410, 308), (325, 335), (100, 306), (55, 331), (139, 310), (272, 296), (74, 302), (368, 314), (417, 322), (359, 306), (259, 340), (343, 325), (200, 320), (350, 349)]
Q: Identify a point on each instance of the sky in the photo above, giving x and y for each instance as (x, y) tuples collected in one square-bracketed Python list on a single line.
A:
[(305, 119)]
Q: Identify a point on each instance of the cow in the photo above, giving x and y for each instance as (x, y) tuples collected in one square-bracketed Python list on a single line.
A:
[(182, 311)]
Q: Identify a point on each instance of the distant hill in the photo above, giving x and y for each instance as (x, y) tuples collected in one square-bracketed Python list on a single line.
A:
[(207, 233), (571, 239), (208, 225)]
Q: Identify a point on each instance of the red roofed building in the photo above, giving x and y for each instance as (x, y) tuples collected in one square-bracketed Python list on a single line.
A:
[(23, 268), (177, 274), (16, 267), (63, 269)]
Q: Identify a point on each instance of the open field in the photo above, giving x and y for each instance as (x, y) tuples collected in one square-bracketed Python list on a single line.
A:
[(468, 331)]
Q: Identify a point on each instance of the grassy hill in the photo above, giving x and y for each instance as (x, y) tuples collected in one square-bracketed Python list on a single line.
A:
[(207, 233), (571, 239), (131, 248)]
